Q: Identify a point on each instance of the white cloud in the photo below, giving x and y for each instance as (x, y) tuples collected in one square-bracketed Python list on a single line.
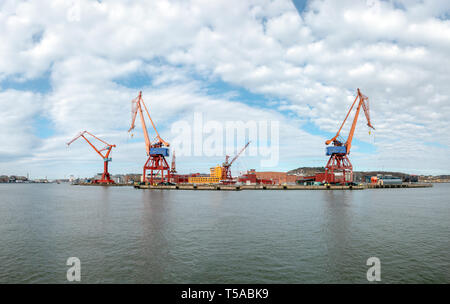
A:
[(16, 124)]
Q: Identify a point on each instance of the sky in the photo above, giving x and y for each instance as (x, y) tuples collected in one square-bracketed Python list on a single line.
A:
[(69, 66)]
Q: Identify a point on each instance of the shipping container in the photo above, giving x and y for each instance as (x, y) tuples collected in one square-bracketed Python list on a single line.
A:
[(390, 180)]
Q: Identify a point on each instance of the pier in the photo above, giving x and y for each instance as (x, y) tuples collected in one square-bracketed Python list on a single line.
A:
[(212, 187)]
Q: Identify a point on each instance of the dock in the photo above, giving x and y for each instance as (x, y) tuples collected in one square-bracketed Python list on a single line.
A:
[(102, 185), (212, 187), (404, 185)]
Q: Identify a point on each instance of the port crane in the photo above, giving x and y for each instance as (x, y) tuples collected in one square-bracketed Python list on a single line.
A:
[(226, 172), (156, 150), (106, 179), (339, 168)]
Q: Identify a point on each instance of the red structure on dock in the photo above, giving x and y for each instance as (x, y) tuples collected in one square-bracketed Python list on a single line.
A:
[(105, 179), (339, 169), (251, 178)]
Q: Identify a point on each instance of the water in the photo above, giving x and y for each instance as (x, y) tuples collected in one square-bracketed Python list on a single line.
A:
[(125, 235)]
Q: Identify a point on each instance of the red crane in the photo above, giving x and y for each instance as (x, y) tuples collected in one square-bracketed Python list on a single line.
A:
[(173, 169), (106, 179), (339, 168), (226, 172), (156, 150)]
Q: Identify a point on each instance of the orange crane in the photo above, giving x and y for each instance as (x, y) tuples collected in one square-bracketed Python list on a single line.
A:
[(156, 150), (106, 179), (339, 151), (226, 172)]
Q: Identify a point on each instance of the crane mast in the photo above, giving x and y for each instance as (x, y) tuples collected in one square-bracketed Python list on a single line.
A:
[(226, 173), (106, 179), (173, 169), (339, 168), (156, 150)]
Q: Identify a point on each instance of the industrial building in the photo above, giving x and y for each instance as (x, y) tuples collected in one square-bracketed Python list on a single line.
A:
[(251, 178), (214, 177), (277, 177), (384, 180)]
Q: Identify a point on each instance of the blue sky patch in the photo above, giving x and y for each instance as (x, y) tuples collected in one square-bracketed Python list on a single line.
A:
[(435, 144), (36, 85), (241, 94), (136, 80), (43, 127), (300, 5)]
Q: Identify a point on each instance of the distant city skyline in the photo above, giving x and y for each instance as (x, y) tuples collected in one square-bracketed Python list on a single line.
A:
[(70, 66)]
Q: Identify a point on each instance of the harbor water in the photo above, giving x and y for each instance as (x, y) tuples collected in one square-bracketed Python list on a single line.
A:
[(127, 235)]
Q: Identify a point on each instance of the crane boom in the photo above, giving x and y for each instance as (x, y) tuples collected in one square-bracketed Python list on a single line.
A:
[(136, 106), (342, 125), (160, 141), (226, 173), (107, 148), (363, 101), (105, 176), (76, 137), (240, 152)]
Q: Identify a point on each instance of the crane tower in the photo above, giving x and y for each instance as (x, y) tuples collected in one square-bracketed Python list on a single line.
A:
[(339, 168), (226, 172), (157, 151), (106, 179)]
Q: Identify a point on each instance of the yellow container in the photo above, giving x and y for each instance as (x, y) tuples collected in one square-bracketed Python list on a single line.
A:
[(203, 180), (216, 172)]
